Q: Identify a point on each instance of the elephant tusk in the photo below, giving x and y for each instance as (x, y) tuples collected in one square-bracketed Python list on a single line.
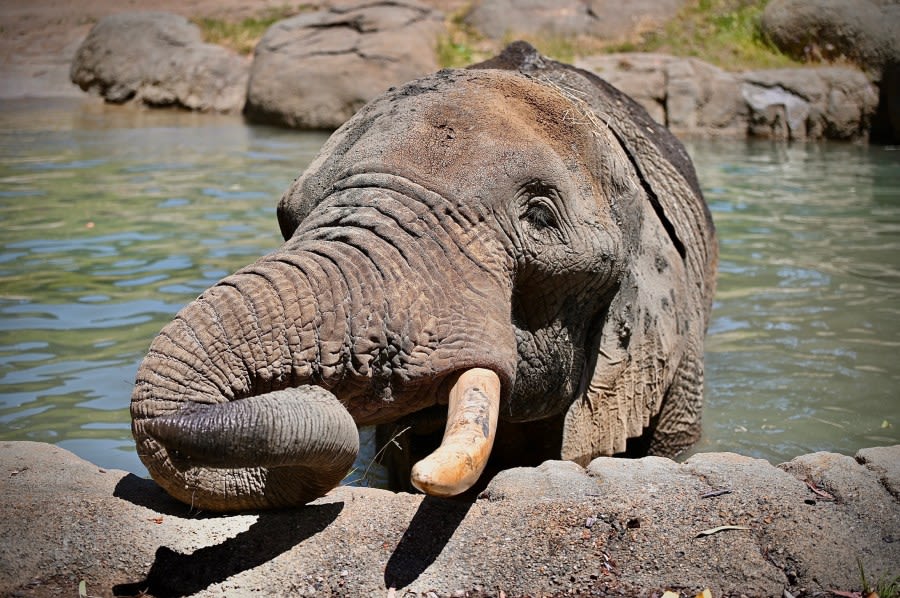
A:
[(454, 466)]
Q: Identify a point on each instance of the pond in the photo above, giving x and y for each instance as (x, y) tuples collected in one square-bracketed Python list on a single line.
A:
[(115, 217)]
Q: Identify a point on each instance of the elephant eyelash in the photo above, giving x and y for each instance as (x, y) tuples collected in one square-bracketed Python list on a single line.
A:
[(539, 215), (539, 211)]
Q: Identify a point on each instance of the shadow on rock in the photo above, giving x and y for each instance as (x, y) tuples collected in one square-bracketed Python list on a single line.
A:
[(175, 574), (147, 493), (431, 528)]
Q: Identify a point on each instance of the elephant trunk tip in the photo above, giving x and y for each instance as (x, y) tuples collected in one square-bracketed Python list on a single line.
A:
[(303, 439)]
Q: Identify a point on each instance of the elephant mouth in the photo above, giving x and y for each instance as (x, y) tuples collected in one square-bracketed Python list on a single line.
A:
[(473, 406)]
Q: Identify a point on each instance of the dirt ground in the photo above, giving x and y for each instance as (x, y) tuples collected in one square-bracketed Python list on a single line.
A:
[(39, 38)]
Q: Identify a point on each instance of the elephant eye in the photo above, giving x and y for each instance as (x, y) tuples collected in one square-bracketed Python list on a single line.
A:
[(539, 215)]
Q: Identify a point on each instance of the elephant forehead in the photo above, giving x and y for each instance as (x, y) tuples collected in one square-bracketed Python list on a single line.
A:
[(483, 131), (471, 136)]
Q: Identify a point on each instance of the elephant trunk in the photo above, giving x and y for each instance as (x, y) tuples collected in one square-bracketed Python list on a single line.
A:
[(245, 399), (221, 411)]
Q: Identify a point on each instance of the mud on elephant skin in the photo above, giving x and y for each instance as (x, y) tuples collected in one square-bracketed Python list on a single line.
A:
[(516, 245)]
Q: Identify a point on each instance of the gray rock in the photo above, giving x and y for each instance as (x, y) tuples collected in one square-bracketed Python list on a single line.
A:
[(604, 19), (621, 528), (862, 31), (859, 30), (550, 479), (694, 98), (810, 103), (315, 70), (691, 97), (883, 462), (869, 512), (159, 59)]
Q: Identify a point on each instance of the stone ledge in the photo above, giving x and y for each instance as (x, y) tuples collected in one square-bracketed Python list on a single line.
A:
[(619, 528), (696, 99)]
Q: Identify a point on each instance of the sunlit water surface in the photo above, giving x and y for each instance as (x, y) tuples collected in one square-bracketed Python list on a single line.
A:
[(114, 218)]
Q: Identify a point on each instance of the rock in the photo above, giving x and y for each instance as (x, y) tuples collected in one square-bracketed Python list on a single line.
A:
[(315, 70), (551, 478), (159, 59), (696, 99), (604, 19), (691, 97), (620, 528), (810, 103), (882, 462), (867, 33)]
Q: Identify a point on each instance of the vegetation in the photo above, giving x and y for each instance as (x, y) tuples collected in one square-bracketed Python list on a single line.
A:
[(726, 33), (885, 587), (242, 36), (723, 32), (461, 45), (564, 48)]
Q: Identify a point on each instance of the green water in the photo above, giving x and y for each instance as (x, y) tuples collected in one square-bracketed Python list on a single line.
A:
[(803, 352), (114, 218)]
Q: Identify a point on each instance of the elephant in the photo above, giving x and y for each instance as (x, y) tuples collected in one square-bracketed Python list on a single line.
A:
[(511, 250)]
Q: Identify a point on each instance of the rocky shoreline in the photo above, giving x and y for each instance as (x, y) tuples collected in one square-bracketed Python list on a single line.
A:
[(719, 521), (314, 70)]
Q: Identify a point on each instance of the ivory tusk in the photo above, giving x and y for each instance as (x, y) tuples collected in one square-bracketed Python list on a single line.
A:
[(454, 466)]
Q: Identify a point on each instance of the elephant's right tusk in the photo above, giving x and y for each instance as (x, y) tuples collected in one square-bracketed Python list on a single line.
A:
[(474, 403)]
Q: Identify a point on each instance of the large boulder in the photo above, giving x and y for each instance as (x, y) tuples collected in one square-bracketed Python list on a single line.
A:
[(867, 33), (315, 70), (691, 97), (604, 19), (159, 59), (812, 103), (864, 32), (732, 524), (696, 99)]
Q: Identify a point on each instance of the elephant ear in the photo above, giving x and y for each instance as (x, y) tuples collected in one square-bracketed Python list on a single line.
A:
[(651, 332), (645, 375)]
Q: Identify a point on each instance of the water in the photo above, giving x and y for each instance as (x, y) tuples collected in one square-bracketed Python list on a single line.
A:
[(802, 351), (114, 218)]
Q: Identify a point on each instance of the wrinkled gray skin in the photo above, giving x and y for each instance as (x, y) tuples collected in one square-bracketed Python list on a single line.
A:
[(521, 216)]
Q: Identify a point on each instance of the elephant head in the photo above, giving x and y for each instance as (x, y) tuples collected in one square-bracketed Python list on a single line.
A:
[(514, 241)]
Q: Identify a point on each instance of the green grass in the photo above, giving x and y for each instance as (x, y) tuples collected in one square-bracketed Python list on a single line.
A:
[(885, 587), (461, 45), (888, 588), (242, 36), (563, 48), (454, 52), (723, 32)]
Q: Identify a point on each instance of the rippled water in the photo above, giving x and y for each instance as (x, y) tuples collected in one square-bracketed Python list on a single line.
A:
[(113, 218), (803, 352)]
